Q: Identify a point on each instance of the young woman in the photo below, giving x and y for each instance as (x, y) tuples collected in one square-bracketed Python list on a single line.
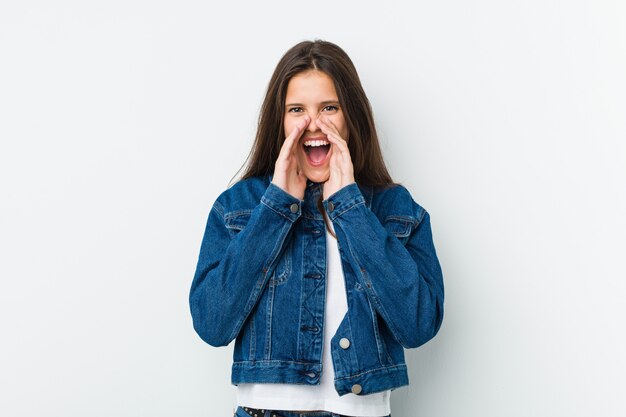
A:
[(318, 266)]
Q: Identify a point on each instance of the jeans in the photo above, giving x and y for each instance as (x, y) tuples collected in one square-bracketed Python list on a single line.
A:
[(277, 413)]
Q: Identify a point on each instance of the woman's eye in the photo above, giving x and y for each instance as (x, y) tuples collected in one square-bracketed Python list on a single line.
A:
[(295, 110), (331, 108)]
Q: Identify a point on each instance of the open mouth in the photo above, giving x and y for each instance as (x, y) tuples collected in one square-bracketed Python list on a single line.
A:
[(316, 150)]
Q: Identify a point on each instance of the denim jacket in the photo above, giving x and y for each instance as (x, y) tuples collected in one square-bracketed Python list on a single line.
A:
[(260, 279)]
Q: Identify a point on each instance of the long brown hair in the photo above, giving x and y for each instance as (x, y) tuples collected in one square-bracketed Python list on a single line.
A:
[(367, 158)]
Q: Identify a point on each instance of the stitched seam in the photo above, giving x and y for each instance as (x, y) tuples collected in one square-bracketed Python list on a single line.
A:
[(252, 337), (339, 214), (274, 362), (384, 368), (237, 213), (220, 210), (276, 211), (268, 328), (403, 219), (376, 332)]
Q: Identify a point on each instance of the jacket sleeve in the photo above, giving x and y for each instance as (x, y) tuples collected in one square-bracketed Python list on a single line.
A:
[(233, 269), (403, 282)]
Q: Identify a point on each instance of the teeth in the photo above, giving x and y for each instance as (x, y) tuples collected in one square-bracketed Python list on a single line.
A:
[(316, 143)]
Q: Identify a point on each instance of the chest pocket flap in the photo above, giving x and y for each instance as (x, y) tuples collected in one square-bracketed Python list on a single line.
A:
[(401, 227), (237, 221)]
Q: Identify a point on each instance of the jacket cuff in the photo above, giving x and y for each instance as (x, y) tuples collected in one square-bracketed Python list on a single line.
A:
[(343, 200), (281, 202)]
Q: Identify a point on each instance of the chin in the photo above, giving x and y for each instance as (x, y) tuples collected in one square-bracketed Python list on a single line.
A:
[(319, 177)]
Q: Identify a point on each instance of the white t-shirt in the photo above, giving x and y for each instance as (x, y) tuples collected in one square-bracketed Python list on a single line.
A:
[(323, 396)]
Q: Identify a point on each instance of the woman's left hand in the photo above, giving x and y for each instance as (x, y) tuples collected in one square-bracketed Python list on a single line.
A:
[(341, 169)]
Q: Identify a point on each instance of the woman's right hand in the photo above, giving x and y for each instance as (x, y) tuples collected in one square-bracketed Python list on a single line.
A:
[(287, 174)]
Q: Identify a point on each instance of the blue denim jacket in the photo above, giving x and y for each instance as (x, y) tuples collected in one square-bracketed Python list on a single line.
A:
[(260, 279)]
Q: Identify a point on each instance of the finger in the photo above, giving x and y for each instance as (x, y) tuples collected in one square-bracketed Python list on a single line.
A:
[(329, 128), (337, 141), (296, 132), (329, 124), (293, 137), (325, 122)]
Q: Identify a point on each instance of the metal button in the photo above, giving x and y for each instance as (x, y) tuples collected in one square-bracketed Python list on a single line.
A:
[(344, 343), (294, 208), (356, 389), (331, 206)]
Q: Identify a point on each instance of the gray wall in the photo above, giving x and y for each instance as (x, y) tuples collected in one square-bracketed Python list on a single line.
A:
[(121, 122)]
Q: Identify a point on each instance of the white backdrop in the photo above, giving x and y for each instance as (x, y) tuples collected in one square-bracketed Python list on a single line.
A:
[(121, 122)]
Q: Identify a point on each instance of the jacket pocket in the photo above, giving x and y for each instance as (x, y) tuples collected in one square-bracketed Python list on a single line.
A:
[(236, 221), (400, 226)]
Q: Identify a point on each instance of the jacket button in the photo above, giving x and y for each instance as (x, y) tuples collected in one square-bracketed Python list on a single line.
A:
[(294, 208), (344, 343), (331, 206), (356, 389)]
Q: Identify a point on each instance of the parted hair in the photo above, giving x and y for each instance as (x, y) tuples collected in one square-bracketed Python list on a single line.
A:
[(365, 152)]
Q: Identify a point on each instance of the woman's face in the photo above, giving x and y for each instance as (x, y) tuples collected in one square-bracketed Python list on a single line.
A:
[(313, 93)]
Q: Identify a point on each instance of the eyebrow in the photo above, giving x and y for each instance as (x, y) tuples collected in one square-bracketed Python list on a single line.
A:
[(323, 103)]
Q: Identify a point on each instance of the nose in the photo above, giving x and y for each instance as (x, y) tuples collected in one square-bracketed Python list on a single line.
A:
[(313, 127)]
